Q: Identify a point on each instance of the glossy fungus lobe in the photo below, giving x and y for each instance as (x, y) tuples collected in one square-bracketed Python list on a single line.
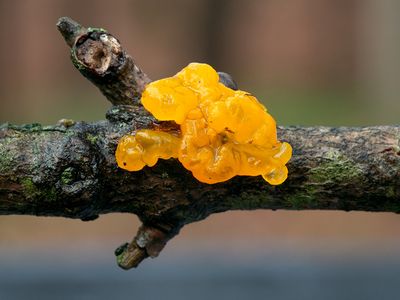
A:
[(224, 132)]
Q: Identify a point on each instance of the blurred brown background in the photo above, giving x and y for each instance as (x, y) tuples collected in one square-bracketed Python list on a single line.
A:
[(312, 62)]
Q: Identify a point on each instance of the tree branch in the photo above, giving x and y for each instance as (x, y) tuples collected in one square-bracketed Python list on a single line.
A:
[(99, 57), (69, 169)]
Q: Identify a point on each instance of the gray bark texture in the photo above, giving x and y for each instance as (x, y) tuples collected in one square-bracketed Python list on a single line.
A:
[(69, 169)]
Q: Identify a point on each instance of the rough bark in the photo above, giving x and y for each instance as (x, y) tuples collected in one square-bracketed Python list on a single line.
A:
[(69, 169), (99, 57)]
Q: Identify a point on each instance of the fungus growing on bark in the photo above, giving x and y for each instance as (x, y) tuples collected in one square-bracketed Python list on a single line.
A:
[(224, 132)]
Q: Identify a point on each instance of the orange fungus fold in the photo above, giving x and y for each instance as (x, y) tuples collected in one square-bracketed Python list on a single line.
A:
[(224, 133)]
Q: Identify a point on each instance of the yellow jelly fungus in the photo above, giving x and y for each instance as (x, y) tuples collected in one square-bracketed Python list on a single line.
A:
[(224, 133)]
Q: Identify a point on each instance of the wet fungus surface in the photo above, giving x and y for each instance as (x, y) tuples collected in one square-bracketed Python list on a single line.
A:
[(223, 132)]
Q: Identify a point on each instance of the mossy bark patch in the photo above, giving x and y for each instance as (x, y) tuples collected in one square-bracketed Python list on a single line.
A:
[(67, 176), (32, 191), (6, 156), (335, 167)]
